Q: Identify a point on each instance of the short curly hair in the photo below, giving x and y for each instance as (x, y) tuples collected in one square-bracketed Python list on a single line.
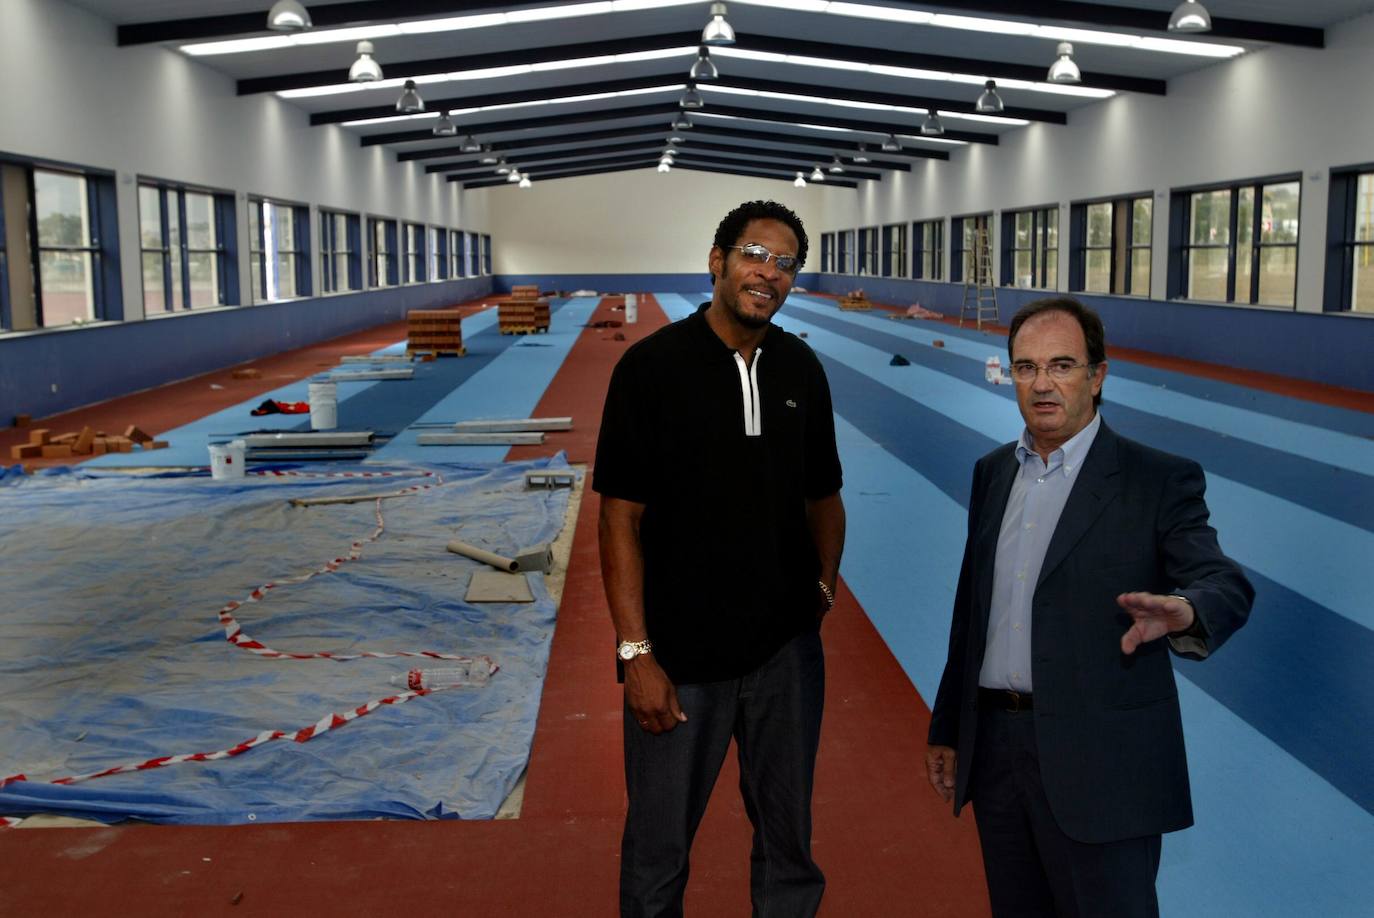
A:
[(732, 227)]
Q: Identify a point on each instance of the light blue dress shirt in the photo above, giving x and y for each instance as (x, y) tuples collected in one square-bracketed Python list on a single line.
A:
[(1038, 495)]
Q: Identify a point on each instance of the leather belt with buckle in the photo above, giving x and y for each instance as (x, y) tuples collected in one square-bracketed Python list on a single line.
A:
[(991, 699)]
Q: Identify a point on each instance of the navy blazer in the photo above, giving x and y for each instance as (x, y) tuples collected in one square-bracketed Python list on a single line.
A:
[(1107, 725)]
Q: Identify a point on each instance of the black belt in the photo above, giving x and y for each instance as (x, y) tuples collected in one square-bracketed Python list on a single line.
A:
[(996, 699)]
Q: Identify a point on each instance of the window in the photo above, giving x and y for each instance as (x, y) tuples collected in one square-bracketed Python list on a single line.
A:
[(845, 262), (1237, 244), (381, 249), (868, 250), (1111, 246), (414, 253), (455, 253), (970, 248), (1030, 248), (827, 252), (435, 240), (894, 250), (67, 253), (486, 254), (279, 236), (1350, 250), (339, 263), (182, 236), (474, 257), (59, 247), (929, 240)]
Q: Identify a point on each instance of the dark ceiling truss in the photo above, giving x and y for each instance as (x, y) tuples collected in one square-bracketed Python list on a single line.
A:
[(756, 158), (880, 159), (694, 163), (650, 136), (669, 111), (850, 53), (326, 15), (965, 106)]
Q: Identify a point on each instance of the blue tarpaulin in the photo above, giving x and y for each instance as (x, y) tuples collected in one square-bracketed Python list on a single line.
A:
[(112, 651)]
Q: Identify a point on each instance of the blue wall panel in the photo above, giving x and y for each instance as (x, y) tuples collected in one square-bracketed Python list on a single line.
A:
[(1331, 348), (44, 373)]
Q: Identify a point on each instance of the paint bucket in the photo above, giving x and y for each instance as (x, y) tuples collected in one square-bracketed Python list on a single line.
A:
[(992, 369), (631, 309), (324, 405), (227, 460)]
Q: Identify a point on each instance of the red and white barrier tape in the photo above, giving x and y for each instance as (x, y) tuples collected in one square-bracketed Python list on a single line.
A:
[(233, 631), (302, 735)]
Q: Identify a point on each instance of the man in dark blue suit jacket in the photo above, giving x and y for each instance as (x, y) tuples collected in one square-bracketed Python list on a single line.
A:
[(1057, 715)]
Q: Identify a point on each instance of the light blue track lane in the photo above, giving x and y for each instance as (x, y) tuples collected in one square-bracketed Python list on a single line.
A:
[(1307, 552), (508, 387), (1317, 443)]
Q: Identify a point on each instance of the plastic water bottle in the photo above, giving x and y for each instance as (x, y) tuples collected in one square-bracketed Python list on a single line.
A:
[(456, 672)]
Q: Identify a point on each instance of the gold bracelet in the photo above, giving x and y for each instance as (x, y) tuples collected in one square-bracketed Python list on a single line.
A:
[(829, 596)]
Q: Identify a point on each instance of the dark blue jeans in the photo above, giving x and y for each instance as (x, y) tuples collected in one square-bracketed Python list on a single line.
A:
[(774, 716)]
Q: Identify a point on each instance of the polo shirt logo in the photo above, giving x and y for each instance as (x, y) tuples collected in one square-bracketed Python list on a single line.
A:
[(791, 404)]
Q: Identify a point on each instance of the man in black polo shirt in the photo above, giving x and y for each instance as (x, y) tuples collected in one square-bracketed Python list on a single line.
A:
[(721, 533)]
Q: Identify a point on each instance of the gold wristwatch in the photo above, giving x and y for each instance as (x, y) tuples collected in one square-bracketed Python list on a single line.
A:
[(628, 650)]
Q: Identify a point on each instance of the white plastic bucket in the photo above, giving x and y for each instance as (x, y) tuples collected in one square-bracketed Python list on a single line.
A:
[(631, 309), (992, 369), (227, 460), (324, 405)]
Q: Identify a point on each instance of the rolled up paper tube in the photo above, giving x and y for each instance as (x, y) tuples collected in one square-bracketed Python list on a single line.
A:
[(500, 562)]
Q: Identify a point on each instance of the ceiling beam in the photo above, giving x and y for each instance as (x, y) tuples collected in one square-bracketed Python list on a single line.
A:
[(520, 124), (491, 183), (326, 15), (651, 159), (909, 127), (754, 173)]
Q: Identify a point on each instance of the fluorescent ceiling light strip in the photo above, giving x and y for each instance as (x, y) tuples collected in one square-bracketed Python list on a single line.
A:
[(510, 105), (460, 76), (1011, 27), (426, 26), (869, 106), (832, 129)]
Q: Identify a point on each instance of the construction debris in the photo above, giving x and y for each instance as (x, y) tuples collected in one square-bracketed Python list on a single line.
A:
[(513, 424), (345, 499), (498, 586), (479, 439), (550, 478), (534, 558), (44, 444)]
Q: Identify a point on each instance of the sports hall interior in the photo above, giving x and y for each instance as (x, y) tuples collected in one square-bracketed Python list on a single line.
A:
[(202, 218)]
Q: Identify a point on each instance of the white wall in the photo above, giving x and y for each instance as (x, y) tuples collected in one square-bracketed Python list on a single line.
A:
[(69, 93), (639, 222), (1280, 110)]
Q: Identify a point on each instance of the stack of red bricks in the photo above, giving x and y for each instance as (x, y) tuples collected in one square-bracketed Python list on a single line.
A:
[(435, 331), (523, 312), (43, 444)]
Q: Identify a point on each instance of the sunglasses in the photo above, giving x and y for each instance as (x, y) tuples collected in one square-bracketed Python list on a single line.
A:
[(788, 264)]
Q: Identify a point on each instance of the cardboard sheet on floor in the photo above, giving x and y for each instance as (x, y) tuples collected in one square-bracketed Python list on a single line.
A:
[(499, 586), (114, 654)]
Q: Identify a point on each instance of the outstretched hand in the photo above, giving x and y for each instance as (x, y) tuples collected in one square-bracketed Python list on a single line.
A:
[(1155, 616)]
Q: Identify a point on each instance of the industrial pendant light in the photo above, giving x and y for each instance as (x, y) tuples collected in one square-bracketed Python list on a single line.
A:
[(799, 181), (890, 145), (861, 156), (989, 102), (704, 68), (365, 69), (682, 123), (932, 127), (718, 31), (1190, 16), (445, 127), (1064, 70), (410, 102), (514, 176), (525, 181), (288, 16), (817, 175), (501, 167), (664, 167), (469, 144), (836, 167), (692, 99), (489, 158)]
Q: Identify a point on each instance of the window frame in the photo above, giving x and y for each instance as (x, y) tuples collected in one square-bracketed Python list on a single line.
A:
[(223, 221), (330, 251), (474, 256), (436, 249), (300, 238), (1043, 256), (486, 254), (958, 255), (1338, 293), (382, 268), (920, 235), (413, 254), (827, 253), (1121, 254), (1181, 245), (894, 260), (455, 254)]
